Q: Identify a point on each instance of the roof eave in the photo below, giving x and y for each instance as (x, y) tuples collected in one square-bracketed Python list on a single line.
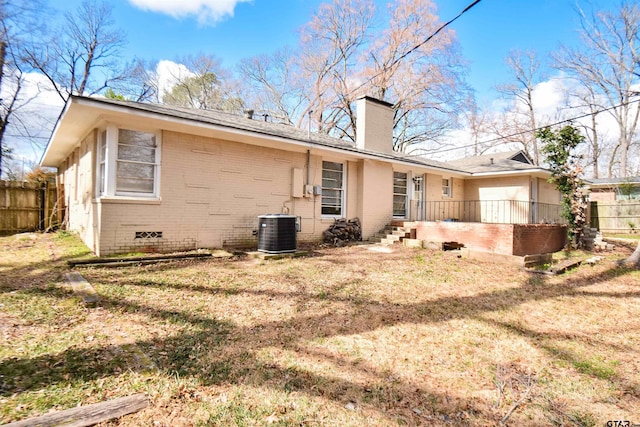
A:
[(537, 171)]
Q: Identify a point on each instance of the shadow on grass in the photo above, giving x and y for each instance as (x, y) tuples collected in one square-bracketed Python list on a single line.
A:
[(585, 364), (221, 352), (30, 274)]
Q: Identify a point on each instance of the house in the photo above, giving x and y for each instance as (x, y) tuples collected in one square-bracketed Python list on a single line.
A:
[(614, 204), (146, 177), (613, 189)]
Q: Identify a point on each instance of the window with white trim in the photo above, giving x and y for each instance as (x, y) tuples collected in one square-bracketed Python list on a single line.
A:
[(446, 187), (136, 162), (128, 163), (332, 189), (102, 155)]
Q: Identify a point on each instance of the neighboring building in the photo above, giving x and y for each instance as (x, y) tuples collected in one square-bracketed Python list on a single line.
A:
[(615, 204), (613, 189), (137, 176)]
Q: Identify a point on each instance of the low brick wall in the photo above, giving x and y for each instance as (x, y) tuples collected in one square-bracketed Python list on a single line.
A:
[(506, 239), (531, 239)]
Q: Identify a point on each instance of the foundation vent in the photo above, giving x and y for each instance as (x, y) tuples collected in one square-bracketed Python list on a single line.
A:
[(148, 234)]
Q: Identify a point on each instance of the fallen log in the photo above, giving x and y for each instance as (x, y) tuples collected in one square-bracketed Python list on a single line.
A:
[(88, 415), (130, 260)]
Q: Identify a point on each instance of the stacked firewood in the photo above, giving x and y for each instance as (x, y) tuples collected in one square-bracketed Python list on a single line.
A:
[(342, 232)]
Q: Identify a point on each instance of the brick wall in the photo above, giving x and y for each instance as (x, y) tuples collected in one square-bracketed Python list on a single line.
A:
[(506, 239), (530, 239), (76, 177), (375, 196), (496, 238)]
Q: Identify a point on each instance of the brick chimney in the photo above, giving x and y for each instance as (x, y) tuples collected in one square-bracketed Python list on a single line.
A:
[(374, 125)]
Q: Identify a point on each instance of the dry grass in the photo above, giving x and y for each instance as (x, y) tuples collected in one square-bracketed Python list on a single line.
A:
[(346, 337)]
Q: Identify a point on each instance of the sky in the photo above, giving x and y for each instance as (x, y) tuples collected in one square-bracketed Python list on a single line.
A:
[(236, 29), (168, 29)]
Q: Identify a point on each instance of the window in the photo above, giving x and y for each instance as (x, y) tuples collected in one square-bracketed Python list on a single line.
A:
[(446, 187), (399, 194), (332, 189), (127, 163), (102, 155), (136, 163)]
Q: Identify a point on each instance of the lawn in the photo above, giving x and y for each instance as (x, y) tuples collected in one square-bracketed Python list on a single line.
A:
[(355, 336)]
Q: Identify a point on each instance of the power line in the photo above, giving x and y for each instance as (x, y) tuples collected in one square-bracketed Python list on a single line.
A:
[(419, 45), (499, 138)]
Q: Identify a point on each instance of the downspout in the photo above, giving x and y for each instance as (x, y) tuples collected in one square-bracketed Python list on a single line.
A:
[(308, 150), (308, 167)]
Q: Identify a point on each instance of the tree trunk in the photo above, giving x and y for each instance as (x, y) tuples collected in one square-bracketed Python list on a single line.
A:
[(2, 121), (634, 259)]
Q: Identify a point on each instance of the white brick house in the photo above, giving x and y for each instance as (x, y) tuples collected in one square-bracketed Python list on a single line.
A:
[(149, 177)]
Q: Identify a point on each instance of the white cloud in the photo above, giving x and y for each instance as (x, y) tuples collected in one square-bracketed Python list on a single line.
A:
[(35, 114), (169, 73), (207, 11), (548, 96)]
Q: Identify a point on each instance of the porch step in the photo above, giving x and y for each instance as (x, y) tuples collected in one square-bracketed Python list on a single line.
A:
[(393, 233)]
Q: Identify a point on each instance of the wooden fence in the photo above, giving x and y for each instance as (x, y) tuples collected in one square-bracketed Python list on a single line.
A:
[(26, 206), (622, 216)]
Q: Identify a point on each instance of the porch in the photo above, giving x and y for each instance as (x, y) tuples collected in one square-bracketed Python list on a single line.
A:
[(506, 227), (491, 211)]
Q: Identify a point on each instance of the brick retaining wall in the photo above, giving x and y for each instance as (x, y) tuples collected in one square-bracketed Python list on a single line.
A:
[(506, 239)]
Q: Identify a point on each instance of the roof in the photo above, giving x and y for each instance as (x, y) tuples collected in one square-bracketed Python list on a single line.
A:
[(81, 114), (612, 182), (496, 162)]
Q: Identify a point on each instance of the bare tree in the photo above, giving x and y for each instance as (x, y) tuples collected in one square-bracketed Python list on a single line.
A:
[(203, 84), (82, 57), (270, 84), (17, 19), (330, 45), (634, 259), (520, 122), (608, 64), (422, 79), (343, 55), (479, 122), (141, 82), (583, 99)]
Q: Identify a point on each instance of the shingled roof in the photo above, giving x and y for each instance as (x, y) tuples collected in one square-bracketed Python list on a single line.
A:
[(507, 161), (487, 164)]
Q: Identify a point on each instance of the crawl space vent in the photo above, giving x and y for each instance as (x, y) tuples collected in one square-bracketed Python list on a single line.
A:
[(148, 234)]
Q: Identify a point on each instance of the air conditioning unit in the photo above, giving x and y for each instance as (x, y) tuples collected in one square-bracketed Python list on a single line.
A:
[(277, 233)]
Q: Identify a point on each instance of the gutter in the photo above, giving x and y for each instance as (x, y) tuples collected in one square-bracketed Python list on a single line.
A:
[(511, 172), (123, 107), (206, 124)]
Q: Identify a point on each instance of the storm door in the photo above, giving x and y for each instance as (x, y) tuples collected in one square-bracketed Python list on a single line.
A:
[(399, 195)]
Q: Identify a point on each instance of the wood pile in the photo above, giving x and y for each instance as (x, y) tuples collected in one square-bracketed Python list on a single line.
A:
[(342, 232)]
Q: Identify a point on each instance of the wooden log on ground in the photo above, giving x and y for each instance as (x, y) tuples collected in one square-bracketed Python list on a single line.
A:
[(88, 415), (564, 266), (130, 260)]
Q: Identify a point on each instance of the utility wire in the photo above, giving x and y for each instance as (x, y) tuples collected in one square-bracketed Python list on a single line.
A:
[(499, 138), (418, 46)]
